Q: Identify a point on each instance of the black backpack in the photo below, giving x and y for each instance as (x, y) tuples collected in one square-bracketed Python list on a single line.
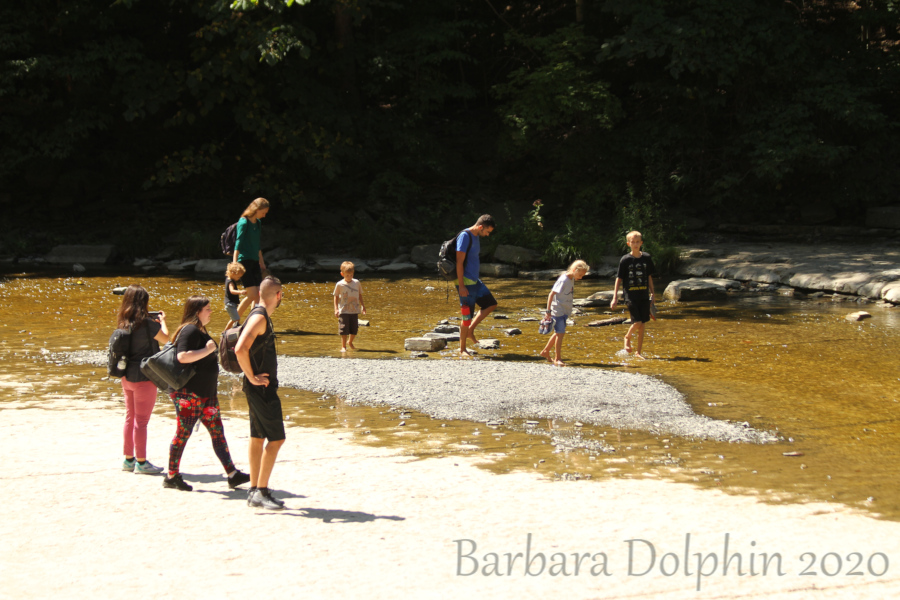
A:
[(447, 257), (228, 239), (227, 358), (119, 344)]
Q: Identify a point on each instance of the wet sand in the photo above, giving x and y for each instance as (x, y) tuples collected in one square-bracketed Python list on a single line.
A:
[(370, 523)]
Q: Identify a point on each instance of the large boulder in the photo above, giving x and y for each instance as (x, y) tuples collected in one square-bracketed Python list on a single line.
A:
[(516, 255), (497, 270), (891, 292), (596, 299), (398, 267), (81, 254), (425, 255), (178, 265), (286, 264), (212, 265), (276, 254), (688, 290), (424, 344), (884, 216), (544, 275), (329, 263), (817, 214)]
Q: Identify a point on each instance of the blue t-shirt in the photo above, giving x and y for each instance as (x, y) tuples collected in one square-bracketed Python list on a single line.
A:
[(472, 266)]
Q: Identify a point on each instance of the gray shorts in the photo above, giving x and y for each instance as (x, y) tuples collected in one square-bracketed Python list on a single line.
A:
[(231, 309)]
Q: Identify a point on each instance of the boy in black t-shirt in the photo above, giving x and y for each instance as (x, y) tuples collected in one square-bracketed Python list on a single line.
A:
[(636, 271)]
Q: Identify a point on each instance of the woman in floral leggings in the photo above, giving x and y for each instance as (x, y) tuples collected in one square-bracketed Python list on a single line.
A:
[(198, 399)]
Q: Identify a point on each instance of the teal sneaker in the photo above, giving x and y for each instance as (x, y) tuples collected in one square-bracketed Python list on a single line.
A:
[(128, 465), (147, 468)]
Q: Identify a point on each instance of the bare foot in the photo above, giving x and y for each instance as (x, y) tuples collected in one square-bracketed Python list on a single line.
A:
[(465, 354), (352, 347), (546, 354), (639, 355), (628, 344), (471, 336), (343, 349), (559, 363)]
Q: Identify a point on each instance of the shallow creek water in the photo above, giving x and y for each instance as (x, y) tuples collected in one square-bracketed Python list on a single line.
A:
[(828, 386)]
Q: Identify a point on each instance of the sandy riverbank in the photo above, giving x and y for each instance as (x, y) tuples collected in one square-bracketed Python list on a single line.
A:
[(368, 523)]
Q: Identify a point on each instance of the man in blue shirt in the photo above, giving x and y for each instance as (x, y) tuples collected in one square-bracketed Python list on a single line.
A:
[(471, 290)]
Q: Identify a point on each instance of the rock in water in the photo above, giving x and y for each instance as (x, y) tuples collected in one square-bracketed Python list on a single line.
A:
[(858, 316), (604, 322), (423, 344)]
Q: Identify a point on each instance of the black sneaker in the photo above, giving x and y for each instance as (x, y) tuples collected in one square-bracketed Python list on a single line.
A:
[(176, 483), (238, 479)]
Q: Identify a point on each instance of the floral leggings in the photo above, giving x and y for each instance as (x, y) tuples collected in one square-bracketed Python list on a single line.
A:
[(190, 408)]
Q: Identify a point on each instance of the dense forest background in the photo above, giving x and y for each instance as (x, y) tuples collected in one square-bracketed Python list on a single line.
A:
[(376, 124)]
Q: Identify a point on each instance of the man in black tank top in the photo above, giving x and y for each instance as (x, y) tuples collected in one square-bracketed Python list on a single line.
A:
[(255, 351)]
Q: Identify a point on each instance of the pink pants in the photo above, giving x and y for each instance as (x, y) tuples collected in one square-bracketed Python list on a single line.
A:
[(139, 401)]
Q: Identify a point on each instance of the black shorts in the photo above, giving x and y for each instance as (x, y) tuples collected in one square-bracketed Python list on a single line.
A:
[(639, 309), (266, 421), (252, 276), (348, 324)]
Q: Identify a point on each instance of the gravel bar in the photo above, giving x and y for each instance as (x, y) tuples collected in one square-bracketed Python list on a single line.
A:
[(482, 391)]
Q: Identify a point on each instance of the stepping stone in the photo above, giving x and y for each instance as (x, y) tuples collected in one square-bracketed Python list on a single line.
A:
[(424, 344)]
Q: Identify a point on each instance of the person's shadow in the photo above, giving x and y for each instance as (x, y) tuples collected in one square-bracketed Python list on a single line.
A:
[(332, 516), (324, 514)]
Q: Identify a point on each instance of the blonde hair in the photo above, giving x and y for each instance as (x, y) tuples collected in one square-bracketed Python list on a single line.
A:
[(631, 234), (235, 270), (578, 265), (254, 207), (348, 266)]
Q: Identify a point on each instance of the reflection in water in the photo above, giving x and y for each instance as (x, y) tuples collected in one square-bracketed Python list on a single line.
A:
[(796, 366)]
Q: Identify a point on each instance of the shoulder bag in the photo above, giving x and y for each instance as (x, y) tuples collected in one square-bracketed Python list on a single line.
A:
[(165, 371)]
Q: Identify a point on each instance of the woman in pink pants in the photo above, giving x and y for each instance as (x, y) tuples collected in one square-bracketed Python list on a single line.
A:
[(140, 394)]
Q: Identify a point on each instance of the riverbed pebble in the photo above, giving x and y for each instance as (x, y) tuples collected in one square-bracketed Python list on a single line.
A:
[(507, 390)]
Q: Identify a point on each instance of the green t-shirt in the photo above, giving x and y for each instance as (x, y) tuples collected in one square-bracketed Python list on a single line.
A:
[(248, 239)]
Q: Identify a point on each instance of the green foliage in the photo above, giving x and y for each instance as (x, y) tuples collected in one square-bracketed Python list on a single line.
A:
[(648, 214), (419, 112), (557, 89), (740, 98)]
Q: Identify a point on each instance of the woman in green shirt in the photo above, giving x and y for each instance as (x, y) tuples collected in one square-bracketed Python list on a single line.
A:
[(248, 252)]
